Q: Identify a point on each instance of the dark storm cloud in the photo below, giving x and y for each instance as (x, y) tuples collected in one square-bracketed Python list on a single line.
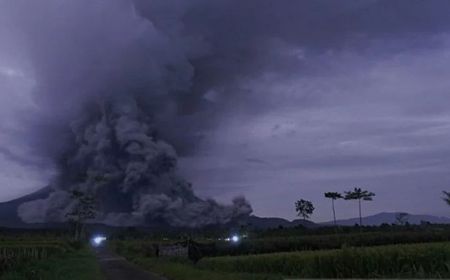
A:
[(355, 89), (232, 43), (380, 122), (314, 88)]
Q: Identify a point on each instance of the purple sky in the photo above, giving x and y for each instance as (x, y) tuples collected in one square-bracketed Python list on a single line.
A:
[(285, 99)]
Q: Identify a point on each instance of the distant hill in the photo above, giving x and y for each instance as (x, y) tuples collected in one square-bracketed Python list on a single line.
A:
[(390, 218), (10, 219), (8, 210), (267, 222)]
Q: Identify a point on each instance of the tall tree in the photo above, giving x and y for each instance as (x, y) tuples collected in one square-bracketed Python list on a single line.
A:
[(360, 195), (83, 210), (304, 208), (333, 196)]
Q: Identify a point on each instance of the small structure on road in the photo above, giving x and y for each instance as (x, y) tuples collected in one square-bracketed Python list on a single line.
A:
[(187, 249), (174, 250)]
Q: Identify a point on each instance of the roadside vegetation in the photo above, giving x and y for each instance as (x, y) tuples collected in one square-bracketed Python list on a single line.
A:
[(37, 257), (323, 242), (393, 261), (398, 251), (279, 240)]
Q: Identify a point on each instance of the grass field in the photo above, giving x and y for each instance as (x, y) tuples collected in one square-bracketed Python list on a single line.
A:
[(328, 241), (305, 242), (430, 260), (342, 255), (416, 260), (29, 257), (75, 265)]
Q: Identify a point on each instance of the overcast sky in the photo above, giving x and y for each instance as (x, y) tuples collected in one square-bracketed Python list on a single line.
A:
[(302, 99)]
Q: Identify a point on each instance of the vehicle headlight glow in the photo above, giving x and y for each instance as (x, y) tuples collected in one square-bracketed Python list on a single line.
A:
[(98, 240), (235, 238)]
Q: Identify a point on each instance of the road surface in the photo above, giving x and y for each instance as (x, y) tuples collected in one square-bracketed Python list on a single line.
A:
[(115, 267)]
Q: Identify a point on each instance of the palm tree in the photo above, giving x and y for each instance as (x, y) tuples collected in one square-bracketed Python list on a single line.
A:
[(333, 196), (359, 194), (304, 208), (446, 197)]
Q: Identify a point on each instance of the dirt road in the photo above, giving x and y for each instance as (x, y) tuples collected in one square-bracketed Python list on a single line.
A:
[(118, 268)]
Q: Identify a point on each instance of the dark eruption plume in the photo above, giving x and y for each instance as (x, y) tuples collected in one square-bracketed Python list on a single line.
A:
[(109, 91), (117, 157)]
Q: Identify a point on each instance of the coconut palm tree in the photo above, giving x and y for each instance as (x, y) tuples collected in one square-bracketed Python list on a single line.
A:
[(446, 197), (359, 194), (333, 196)]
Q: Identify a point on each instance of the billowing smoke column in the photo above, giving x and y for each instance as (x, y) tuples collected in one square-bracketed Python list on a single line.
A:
[(107, 95), (118, 158)]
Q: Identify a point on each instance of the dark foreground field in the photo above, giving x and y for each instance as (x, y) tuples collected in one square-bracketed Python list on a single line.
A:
[(393, 261), (396, 252), (32, 261)]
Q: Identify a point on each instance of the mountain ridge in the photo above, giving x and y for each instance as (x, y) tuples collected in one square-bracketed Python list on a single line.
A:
[(391, 218), (10, 219)]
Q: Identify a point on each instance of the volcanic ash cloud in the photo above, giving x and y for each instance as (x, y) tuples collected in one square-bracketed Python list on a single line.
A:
[(117, 158)]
